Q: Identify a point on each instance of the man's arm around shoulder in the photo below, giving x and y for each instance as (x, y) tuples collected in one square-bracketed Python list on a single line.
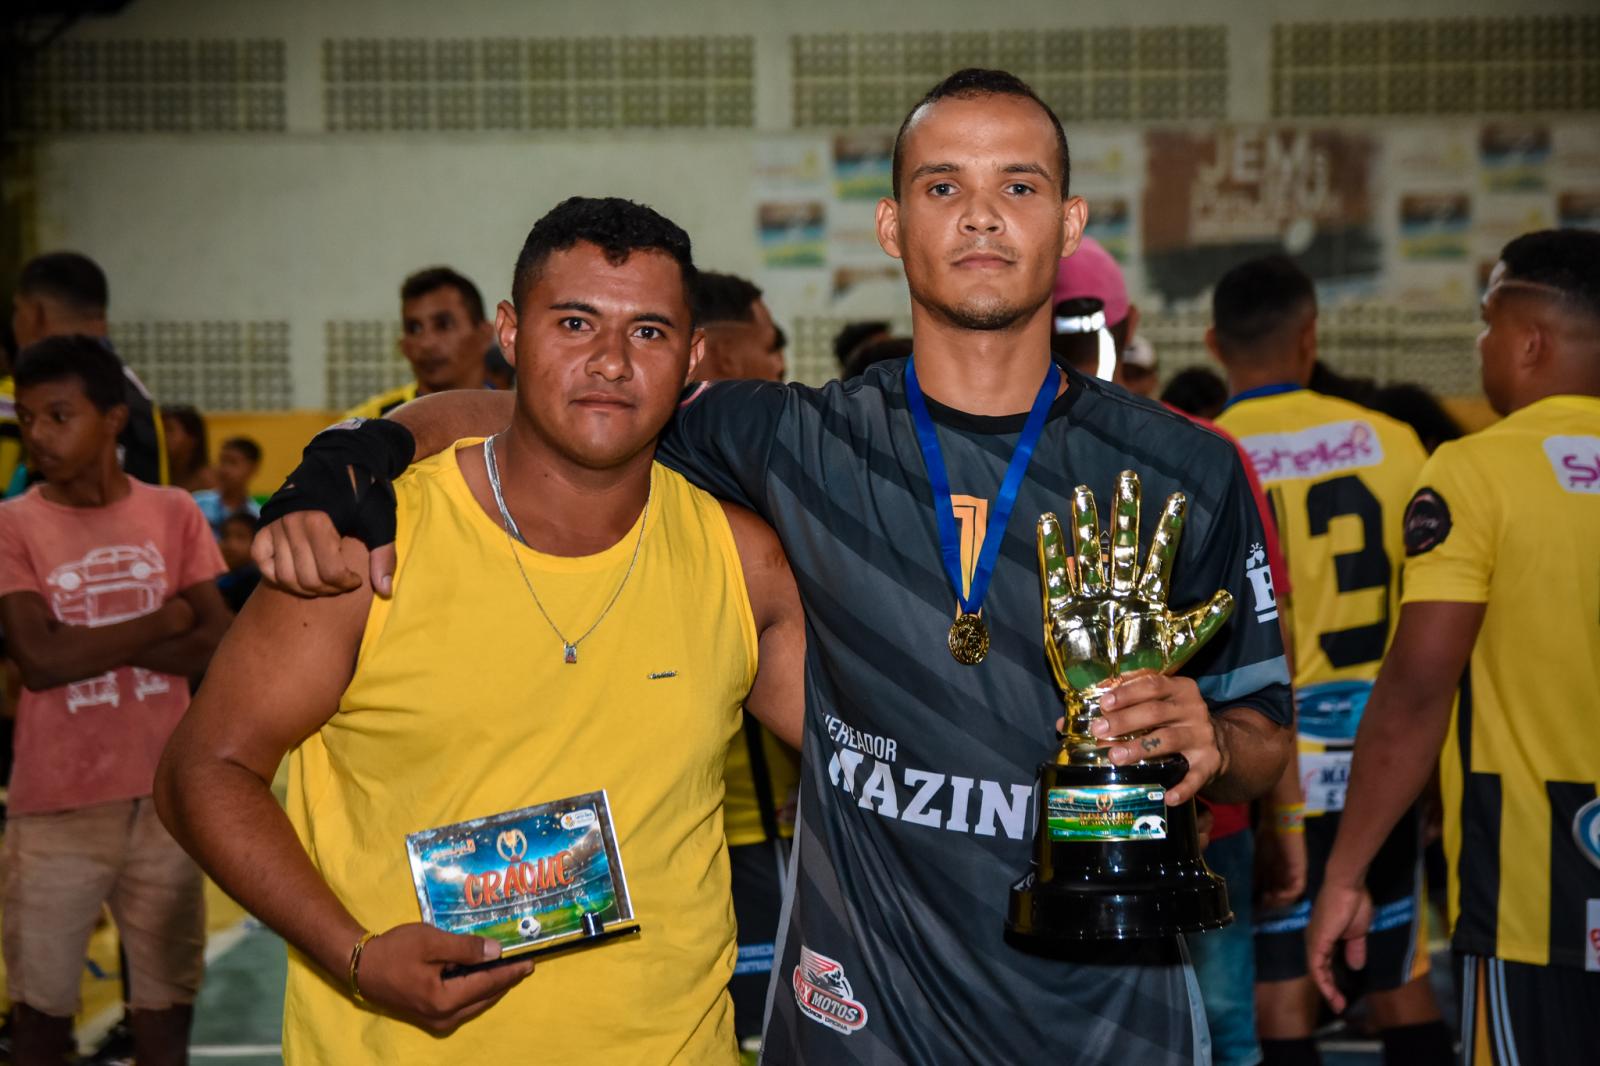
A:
[(777, 698), (342, 484), (276, 679)]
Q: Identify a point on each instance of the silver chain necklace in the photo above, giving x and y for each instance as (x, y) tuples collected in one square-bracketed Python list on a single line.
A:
[(569, 648)]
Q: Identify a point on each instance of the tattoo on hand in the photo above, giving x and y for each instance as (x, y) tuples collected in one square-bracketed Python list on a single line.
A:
[(1150, 743)]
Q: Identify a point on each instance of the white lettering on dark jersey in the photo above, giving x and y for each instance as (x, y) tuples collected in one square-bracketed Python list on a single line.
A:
[(1576, 461), (1259, 572), (992, 803), (927, 783), (866, 743), (934, 800), (1314, 452)]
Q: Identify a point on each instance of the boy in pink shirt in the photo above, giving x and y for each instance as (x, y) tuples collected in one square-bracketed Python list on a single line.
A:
[(109, 604)]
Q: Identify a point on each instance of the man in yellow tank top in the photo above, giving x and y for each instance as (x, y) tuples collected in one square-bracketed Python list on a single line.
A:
[(1496, 666), (566, 616), (1338, 476)]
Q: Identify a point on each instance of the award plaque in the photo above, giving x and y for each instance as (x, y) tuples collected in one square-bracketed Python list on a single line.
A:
[(1110, 860), (537, 879)]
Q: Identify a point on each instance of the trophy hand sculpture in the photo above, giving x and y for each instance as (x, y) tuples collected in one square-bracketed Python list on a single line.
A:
[(1110, 860), (1097, 630)]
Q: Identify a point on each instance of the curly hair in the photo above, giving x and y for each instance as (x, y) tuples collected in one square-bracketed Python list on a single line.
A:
[(617, 227)]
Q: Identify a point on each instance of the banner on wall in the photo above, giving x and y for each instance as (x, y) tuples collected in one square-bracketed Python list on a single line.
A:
[(1215, 198), (863, 166)]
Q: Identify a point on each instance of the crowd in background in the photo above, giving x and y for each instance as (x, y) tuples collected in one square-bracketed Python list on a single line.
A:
[(448, 340)]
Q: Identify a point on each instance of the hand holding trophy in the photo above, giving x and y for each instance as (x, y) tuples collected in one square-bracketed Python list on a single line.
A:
[(1098, 630), (1111, 860)]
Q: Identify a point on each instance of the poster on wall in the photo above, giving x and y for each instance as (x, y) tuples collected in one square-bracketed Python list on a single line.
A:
[(1435, 226), (1111, 223), (793, 233), (1514, 157), (1215, 198), (863, 166), (1579, 209)]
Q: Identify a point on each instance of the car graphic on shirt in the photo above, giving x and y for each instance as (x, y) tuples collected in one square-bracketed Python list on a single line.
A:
[(109, 585), (94, 692)]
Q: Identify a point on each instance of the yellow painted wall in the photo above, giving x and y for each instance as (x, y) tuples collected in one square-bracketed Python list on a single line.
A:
[(281, 435)]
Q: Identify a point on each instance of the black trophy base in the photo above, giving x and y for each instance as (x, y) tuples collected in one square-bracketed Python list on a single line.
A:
[(1134, 889)]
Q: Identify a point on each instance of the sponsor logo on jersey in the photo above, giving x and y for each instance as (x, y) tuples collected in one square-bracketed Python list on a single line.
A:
[(1427, 522), (1257, 569), (864, 767), (824, 995), (1586, 830), (1576, 461), (1315, 452)]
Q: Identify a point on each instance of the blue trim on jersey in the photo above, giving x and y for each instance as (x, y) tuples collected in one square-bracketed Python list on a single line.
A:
[(1220, 688), (1262, 390), (1292, 919)]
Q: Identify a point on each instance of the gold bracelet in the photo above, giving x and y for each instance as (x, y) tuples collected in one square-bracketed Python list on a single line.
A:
[(355, 966)]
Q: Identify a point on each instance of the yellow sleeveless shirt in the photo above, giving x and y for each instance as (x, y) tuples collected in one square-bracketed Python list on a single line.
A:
[(462, 706)]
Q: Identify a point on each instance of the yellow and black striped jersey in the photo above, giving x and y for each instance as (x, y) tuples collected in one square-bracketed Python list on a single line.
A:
[(10, 434), (1338, 476), (384, 402), (1510, 518)]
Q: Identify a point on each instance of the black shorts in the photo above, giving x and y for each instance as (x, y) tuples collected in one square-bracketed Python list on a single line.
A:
[(1397, 941), (1514, 1014), (758, 878)]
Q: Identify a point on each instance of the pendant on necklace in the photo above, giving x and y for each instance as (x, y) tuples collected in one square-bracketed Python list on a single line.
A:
[(571, 655), (969, 639)]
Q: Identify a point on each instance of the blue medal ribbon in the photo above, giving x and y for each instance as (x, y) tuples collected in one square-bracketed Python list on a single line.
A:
[(1000, 513)]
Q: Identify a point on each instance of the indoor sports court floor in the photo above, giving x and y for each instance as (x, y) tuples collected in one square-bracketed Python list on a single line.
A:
[(241, 1005)]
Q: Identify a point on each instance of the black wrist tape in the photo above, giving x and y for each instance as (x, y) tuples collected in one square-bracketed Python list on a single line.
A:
[(347, 475)]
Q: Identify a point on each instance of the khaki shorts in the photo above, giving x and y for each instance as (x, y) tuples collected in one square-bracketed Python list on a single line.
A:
[(61, 868)]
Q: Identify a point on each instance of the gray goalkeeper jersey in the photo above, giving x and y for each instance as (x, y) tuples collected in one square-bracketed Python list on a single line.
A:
[(915, 808)]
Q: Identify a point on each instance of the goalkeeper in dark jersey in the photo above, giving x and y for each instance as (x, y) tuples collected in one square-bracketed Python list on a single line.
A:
[(918, 769)]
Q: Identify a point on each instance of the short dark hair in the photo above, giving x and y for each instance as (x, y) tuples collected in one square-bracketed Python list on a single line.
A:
[(70, 277), (724, 298), (74, 355), (1196, 391), (434, 278), (974, 82), (853, 335), (1256, 299), (616, 226), (1564, 259), (245, 447), (244, 518)]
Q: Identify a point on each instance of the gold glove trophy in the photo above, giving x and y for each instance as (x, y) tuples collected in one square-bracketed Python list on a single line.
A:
[(1110, 860)]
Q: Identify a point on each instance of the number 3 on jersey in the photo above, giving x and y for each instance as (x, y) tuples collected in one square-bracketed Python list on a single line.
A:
[(1364, 569)]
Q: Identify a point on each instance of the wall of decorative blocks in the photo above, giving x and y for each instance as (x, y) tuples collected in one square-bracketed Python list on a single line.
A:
[(258, 178)]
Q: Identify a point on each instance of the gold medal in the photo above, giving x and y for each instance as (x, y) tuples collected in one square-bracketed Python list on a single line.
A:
[(969, 639)]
